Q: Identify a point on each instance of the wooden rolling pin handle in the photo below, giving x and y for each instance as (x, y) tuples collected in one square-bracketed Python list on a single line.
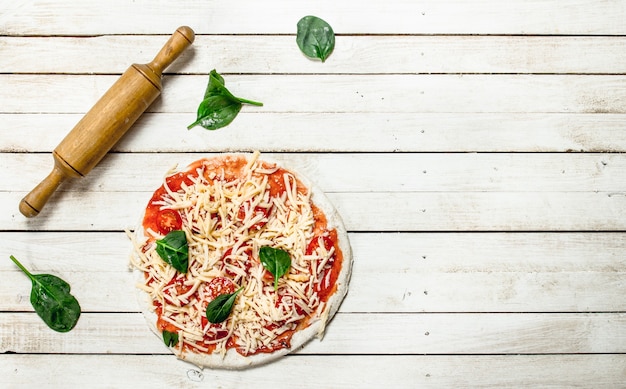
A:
[(34, 201), (178, 42)]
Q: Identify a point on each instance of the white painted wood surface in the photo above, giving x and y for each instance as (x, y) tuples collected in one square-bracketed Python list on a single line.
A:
[(473, 148)]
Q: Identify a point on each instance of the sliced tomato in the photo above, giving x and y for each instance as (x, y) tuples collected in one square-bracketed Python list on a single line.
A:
[(276, 183), (220, 285), (179, 286), (315, 243), (241, 215), (175, 181), (267, 276), (288, 303), (217, 333), (168, 220), (227, 259)]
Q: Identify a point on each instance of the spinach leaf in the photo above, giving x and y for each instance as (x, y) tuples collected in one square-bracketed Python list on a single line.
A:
[(217, 111), (219, 309), (215, 85), (174, 250), (276, 261), (315, 37), (170, 338), (219, 107), (52, 300)]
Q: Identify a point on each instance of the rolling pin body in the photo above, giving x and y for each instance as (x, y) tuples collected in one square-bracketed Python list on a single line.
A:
[(107, 121)]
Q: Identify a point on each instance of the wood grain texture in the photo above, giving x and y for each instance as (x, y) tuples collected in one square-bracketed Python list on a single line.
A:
[(356, 54), (370, 333), (343, 132), (473, 148), (401, 172), (345, 371), (339, 93), (408, 17)]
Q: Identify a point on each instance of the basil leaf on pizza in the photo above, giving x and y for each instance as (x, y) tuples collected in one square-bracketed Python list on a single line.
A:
[(251, 225), (170, 338), (174, 250), (219, 309), (276, 261)]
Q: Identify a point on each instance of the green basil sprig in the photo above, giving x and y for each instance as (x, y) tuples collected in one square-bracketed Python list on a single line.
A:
[(315, 37), (219, 107), (219, 309), (174, 250), (170, 338), (276, 261), (52, 300)]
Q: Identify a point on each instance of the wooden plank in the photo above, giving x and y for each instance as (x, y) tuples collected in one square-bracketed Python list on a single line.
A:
[(502, 211), (408, 17), (405, 172), (420, 272), (346, 371), (249, 54), (391, 273), (339, 93), (345, 132), (369, 333), (379, 211)]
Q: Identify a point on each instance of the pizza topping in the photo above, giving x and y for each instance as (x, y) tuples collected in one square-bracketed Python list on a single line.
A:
[(261, 261), (170, 338), (218, 310), (174, 250), (168, 220), (218, 286), (276, 261)]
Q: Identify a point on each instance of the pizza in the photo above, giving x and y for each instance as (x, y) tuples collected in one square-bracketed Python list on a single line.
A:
[(239, 261)]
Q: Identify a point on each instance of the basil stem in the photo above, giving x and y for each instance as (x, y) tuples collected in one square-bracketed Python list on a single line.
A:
[(52, 300), (219, 107), (315, 37), (219, 309), (170, 338), (276, 261), (174, 250)]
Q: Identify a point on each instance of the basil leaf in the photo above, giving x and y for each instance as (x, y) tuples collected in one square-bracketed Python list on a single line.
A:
[(219, 107), (215, 85), (219, 309), (174, 250), (217, 111), (170, 338), (276, 261), (315, 37), (51, 298)]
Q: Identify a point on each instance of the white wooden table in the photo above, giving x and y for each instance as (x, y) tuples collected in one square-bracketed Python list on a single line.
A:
[(474, 150)]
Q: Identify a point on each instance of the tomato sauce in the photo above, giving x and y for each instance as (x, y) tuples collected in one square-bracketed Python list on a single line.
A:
[(153, 216), (325, 290), (229, 169)]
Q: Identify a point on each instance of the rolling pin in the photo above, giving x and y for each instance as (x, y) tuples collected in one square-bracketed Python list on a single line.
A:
[(107, 121)]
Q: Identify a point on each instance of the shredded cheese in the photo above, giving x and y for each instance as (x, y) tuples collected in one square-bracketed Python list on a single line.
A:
[(227, 218)]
